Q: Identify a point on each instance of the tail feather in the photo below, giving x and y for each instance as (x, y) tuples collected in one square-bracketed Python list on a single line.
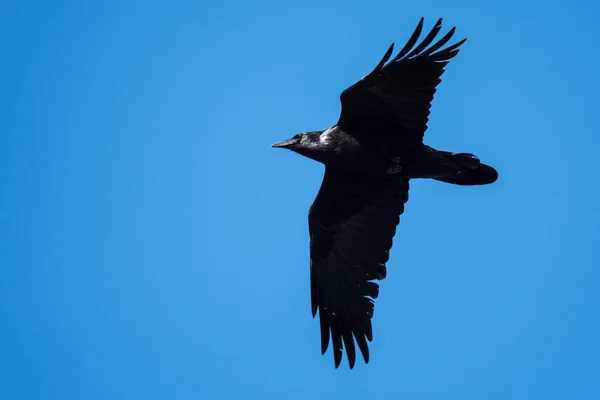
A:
[(470, 170)]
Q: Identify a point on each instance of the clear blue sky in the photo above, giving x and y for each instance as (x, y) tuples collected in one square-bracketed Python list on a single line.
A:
[(153, 245)]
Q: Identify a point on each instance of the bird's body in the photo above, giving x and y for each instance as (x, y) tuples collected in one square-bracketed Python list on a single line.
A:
[(370, 155)]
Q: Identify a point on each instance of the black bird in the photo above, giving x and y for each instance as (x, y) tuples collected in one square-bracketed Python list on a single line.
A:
[(370, 155)]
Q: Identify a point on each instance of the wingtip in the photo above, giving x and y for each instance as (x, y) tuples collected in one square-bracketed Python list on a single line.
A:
[(338, 360), (390, 50)]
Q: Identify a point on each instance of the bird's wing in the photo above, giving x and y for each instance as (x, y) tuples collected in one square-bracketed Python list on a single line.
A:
[(395, 98), (352, 222)]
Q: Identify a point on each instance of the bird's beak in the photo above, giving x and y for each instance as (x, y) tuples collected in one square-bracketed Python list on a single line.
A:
[(285, 143)]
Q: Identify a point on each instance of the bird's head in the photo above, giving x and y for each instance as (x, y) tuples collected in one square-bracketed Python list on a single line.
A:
[(309, 144), (291, 143), (300, 141)]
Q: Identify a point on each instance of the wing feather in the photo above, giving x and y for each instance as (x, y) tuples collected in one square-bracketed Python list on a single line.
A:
[(395, 98), (352, 224)]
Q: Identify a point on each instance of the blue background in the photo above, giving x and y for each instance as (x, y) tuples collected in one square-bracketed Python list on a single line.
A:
[(153, 245)]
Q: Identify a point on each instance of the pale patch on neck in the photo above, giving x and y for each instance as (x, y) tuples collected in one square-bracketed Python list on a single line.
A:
[(325, 137)]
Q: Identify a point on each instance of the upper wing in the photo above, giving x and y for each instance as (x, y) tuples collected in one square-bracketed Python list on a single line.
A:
[(396, 98), (352, 222)]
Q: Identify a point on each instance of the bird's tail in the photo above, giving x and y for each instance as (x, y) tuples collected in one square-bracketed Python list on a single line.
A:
[(467, 170)]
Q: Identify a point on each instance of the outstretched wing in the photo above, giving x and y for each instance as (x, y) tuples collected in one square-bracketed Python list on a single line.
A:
[(395, 98), (352, 223)]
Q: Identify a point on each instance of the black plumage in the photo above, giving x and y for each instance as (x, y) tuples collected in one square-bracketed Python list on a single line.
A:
[(370, 155)]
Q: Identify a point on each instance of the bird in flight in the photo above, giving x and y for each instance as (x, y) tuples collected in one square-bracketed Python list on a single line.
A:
[(370, 155)]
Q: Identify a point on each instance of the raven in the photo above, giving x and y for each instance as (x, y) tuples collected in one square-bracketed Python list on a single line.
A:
[(370, 155)]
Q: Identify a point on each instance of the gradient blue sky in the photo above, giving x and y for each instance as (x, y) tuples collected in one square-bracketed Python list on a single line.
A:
[(153, 246)]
